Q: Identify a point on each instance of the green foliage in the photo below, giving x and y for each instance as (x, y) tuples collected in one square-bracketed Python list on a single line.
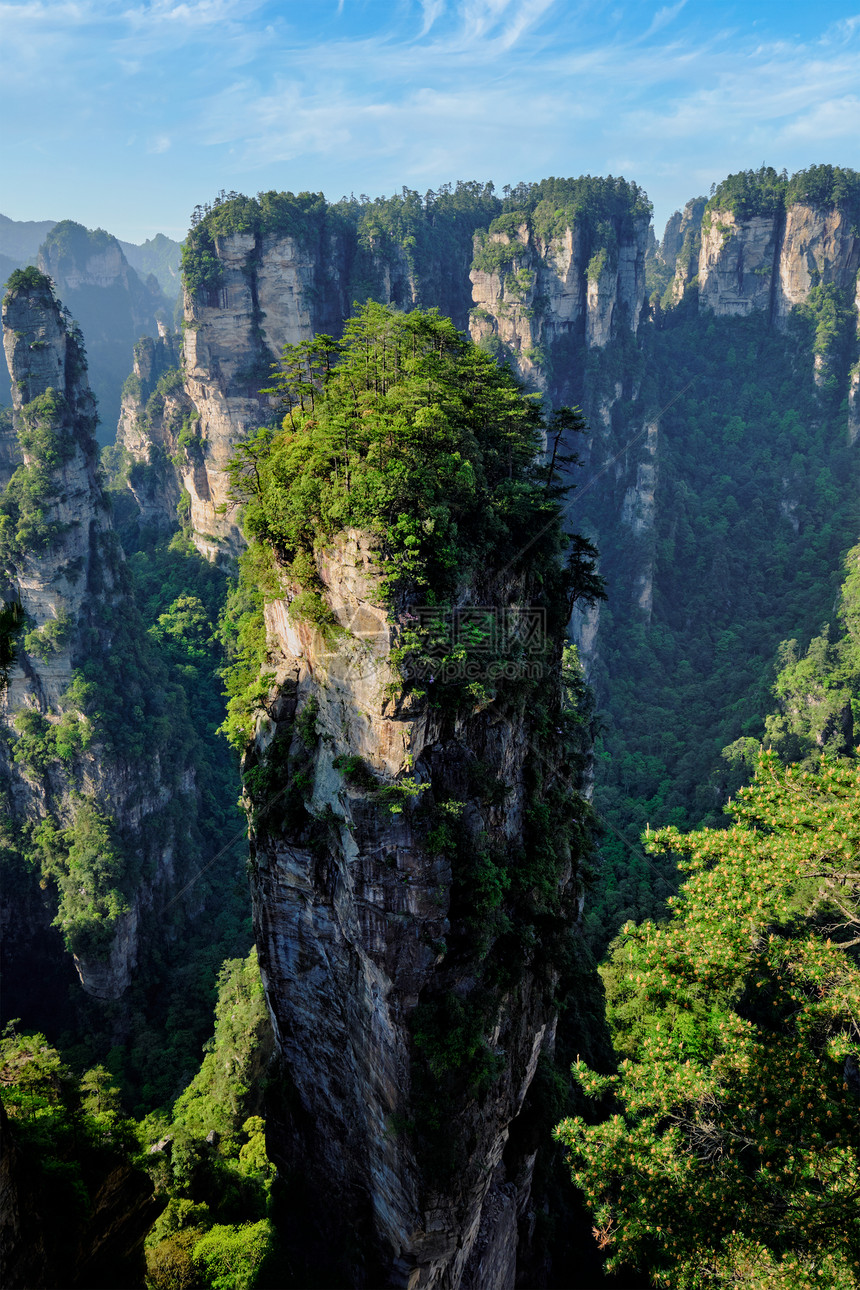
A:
[(11, 622), (409, 433), (818, 693), (750, 193), (830, 312), (72, 1138), (230, 1257), (93, 874), (227, 1087), (51, 637), (27, 279), (554, 205), (213, 1231), (400, 444), (756, 502), (72, 244), (732, 1149), (492, 256), (596, 265), (764, 192), (825, 187), (26, 524), (243, 633), (42, 741)]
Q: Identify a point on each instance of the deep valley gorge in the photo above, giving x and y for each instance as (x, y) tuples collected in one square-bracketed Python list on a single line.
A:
[(430, 652)]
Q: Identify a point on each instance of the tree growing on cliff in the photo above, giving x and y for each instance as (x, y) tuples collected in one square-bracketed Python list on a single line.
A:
[(407, 431), (732, 1151)]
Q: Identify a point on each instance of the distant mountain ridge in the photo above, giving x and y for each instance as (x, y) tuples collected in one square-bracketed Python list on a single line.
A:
[(20, 241)]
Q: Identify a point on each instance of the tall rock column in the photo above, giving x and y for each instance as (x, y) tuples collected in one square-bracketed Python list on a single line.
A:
[(413, 781), (58, 540), (92, 839)]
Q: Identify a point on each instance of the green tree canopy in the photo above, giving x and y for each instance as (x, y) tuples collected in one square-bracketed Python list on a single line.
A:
[(732, 1150)]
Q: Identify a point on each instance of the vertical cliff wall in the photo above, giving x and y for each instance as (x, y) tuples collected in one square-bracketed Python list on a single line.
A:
[(91, 771), (413, 776), (358, 944), (575, 285)]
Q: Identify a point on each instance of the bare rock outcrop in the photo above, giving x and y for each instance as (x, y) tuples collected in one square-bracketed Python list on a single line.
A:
[(681, 227), (158, 429), (738, 262), (772, 262), (532, 291), (818, 247)]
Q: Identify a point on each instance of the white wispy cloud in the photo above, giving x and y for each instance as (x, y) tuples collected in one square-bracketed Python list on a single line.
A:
[(664, 16), (260, 93)]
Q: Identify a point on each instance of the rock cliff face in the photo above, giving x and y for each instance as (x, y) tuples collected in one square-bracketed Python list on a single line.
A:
[(273, 290), (818, 248), (62, 769), (113, 306), (531, 291), (738, 262), (680, 247), (153, 414), (351, 927), (680, 227), (52, 401), (772, 262)]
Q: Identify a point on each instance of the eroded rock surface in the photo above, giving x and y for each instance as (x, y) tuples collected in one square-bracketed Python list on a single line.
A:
[(561, 288), (354, 908)]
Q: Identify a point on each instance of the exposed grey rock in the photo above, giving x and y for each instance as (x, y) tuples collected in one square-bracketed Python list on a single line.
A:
[(350, 935)]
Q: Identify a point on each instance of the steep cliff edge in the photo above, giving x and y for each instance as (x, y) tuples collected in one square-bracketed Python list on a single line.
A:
[(770, 243), (418, 838), (567, 270), (89, 818)]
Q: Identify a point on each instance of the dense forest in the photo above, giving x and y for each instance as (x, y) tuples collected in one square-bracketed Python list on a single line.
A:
[(584, 905)]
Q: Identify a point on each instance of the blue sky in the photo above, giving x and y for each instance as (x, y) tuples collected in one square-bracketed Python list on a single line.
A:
[(126, 114)]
